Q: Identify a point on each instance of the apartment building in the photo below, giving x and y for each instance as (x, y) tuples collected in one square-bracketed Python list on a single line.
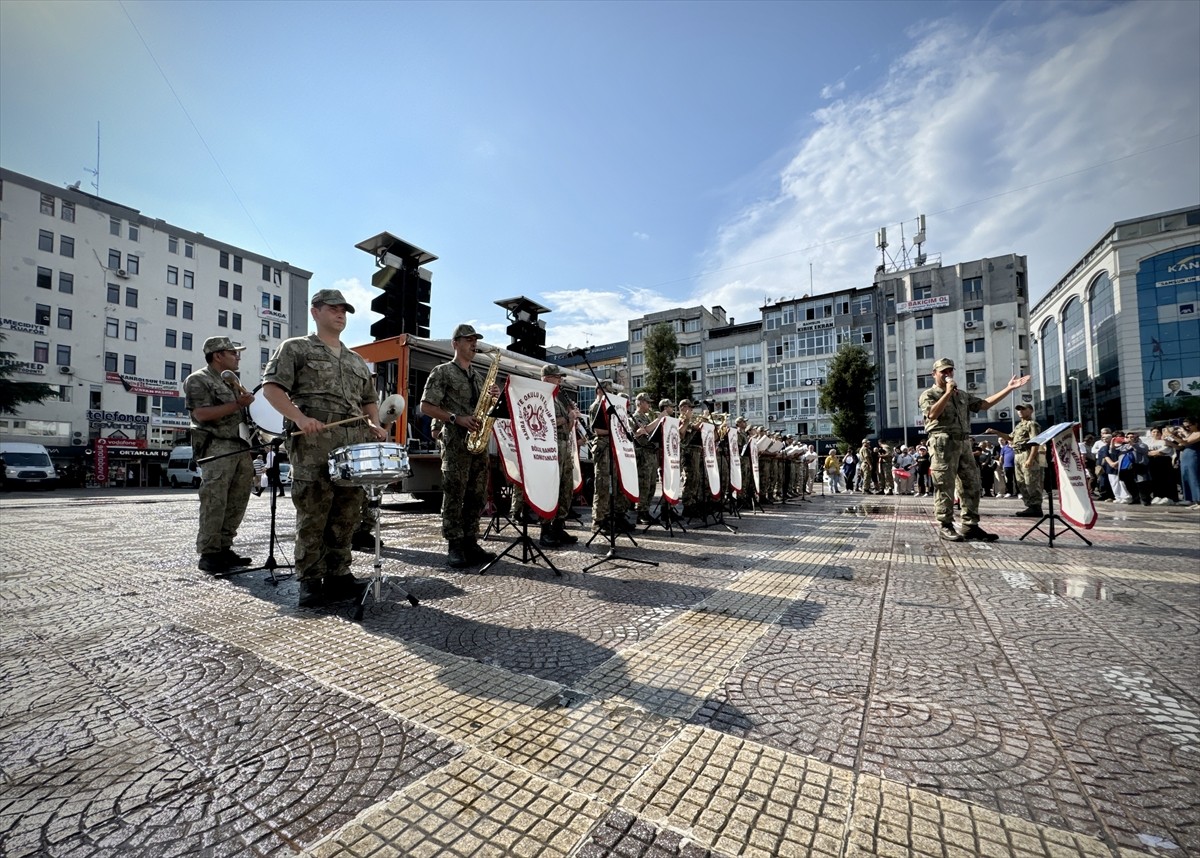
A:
[(1118, 336), (691, 326), (112, 307)]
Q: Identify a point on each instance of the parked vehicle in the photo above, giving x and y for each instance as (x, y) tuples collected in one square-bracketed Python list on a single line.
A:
[(182, 469), (27, 466)]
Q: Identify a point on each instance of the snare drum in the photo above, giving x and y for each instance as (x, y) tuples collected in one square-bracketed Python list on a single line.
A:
[(264, 417), (376, 464)]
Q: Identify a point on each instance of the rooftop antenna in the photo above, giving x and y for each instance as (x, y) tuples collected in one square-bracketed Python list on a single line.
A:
[(919, 239), (96, 172), (881, 244)]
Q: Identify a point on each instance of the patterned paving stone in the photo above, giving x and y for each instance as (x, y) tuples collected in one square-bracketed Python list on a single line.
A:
[(623, 835)]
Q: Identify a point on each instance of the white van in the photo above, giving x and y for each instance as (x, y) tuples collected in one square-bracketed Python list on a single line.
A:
[(182, 469), (27, 466)]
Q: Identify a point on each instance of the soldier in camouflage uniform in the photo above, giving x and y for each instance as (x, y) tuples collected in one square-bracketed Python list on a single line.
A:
[(886, 477), (1030, 461), (313, 381), (554, 533), (646, 446), (217, 416), (451, 395), (947, 413), (601, 445)]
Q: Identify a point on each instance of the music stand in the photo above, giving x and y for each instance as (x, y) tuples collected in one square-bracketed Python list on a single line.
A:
[(1049, 484)]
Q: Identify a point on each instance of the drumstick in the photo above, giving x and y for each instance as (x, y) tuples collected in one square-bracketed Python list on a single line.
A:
[(336, 423)]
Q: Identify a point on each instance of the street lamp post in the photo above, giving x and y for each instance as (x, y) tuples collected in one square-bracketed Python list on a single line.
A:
[(1074, 379)]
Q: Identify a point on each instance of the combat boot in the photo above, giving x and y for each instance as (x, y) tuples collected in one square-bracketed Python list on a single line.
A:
[(344, 586), (364, 540), (234, 560), (978, 534), (560, 527), (548, 538), (312, 594), (949, 534), (214, 563), (475, 554), (1029, 512), (456, 557)]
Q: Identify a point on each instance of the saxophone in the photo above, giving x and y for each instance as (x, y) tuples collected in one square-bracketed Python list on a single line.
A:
[(477, 442)]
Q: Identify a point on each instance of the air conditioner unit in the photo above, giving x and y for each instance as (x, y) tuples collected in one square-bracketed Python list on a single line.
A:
[(65, 370), (263, 337), (1004, 415), (998, 324), (968, 326), (121, 272), (972, 386)]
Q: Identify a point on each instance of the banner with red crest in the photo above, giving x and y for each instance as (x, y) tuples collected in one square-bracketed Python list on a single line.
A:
[(735, 461), (531, 411), (672, 474)]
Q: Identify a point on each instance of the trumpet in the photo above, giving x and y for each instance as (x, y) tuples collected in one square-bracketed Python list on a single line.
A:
[(230, 378)]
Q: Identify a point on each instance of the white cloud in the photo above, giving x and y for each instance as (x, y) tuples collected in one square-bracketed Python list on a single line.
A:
[(990, 135), (641, 236), (588, 317)]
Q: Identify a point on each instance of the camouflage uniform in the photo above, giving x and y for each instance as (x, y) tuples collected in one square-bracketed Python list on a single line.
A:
[(225, 490), (646, 447), (326, 387), (868, 467), (695, 483), (566, 474), (951, 455), (464, 474), (601, 447), (1029, 480), (886, 476)]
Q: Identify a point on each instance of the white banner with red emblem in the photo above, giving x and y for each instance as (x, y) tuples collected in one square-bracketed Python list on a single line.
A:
[(708, 442), (672, 474), (506, 449), (531, 413), (624, 453), (754, 449), (735, 461), (1074, 499)]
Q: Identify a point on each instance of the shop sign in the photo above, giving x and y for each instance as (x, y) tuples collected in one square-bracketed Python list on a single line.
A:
[(117, 419), (23, 327), (273, 315), (170, 421), (27, 367), (1186, 270), (143, 386), (923, 304)]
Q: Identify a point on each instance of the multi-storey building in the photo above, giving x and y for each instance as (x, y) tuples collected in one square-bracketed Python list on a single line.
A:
[(734, 370), (691, 326), (1118, 337), (801, 337), (610, 362), (974, 313), (112, 308)]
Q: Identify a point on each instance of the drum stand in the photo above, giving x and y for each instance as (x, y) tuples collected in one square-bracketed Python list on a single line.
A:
[(378, 581)]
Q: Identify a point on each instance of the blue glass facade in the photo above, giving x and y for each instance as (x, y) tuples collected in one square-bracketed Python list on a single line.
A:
[(1168, 294)]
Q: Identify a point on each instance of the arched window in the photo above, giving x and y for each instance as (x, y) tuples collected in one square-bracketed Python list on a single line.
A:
[(1051, 368), (1074, 339), (1104, 327)]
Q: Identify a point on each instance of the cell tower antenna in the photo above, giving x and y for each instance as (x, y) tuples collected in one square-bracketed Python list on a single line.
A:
[(919, 239), (96, 172)]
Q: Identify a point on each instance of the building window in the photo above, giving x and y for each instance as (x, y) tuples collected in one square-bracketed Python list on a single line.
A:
[(64, 393), (64, 318), (172, 275), (66, 246), (237, 264), (265, 328), (95, 392), (46, 240), (41, 352), (237, 291), (222, 288), (185, 369), (45, 278), (185, 341), (924, 323), (189, 249), (68, 211), (169, 370), (891, 329), (924, 381), (975, 346), (133, 232), (110, 361), (114, 259), (636, 358), (66, 282), (131, 364), (921, 292), (264, 356), (112, 328), (41, 314), (975, 314), (635, 336), (237, 321), (172, 338), (224, 260), (172, 307), (187, 309), (131, 331), (172, 244), (131, 297), (189, 280), (48, 204), (976, 378), (925, 352), (278, 277), (277, 332), (63, 355), (132, 263), (222, 318), (267, 273), (972, 288), (114, 294)]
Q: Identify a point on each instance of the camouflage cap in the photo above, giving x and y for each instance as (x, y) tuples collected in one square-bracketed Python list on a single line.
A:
[(665, 403), (1024, 406), (220, 344), (684, 402), (332, 297), (553, 369), (463, 331), (607, 384), (643, 397), (943, 363)]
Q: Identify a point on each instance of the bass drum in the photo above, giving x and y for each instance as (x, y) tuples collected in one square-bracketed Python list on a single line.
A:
[(263, 417)]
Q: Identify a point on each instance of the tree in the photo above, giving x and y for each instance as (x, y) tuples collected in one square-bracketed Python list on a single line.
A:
[(14, 394), (850, 378), (663, 380)]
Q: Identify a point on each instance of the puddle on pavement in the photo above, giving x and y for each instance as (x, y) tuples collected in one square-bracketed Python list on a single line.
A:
[(868, 510), (1082, 588)]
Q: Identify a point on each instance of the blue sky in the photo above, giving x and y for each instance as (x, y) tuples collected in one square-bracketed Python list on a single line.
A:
[(609, 159)]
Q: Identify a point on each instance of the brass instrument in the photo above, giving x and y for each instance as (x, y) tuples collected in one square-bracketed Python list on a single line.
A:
[(477, 442), (721, 421)]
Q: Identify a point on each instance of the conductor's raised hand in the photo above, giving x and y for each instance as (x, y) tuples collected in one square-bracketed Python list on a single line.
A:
[(1018, 382)]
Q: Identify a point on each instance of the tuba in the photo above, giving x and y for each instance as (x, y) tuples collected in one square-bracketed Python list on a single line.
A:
[(477, 442)]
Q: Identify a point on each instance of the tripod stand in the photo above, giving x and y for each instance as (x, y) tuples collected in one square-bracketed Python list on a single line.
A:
[(375, 586), (1052, 516), (530, 551)]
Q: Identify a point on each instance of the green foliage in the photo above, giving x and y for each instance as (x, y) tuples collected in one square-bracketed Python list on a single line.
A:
[(1173, 410), (851, 376), (663, 380), (14, 394)]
